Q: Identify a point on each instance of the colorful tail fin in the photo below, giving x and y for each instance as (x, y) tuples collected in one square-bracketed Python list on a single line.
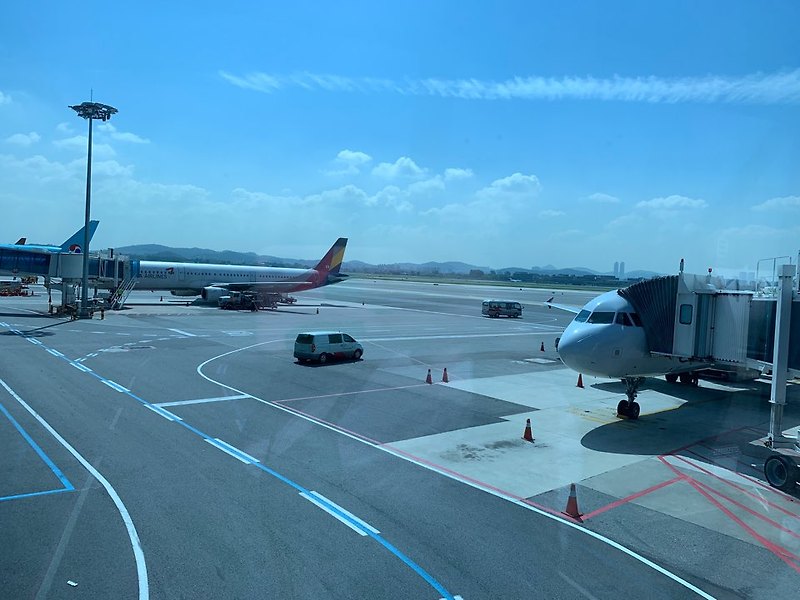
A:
[(75, 243), (332, 261)]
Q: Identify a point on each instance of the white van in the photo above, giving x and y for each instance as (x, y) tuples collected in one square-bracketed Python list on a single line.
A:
[(324, 345), (501, 308)]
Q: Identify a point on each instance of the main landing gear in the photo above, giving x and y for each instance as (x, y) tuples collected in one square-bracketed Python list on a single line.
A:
[(630, 408)]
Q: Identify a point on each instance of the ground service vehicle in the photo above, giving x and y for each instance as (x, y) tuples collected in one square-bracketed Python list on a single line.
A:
[(324, 345), (501, 308)]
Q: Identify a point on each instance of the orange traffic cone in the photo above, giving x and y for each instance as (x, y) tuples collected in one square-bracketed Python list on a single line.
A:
[(528, 435), (542, 348), (444, 376), (428, 378), (580, 381), (572, 504)]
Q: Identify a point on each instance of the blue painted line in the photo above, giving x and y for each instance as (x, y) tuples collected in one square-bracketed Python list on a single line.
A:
[(331, 507), (56, 471), (45, 493)]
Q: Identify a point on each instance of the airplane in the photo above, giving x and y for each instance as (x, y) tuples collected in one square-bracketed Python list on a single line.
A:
[(607, 339), (72, 245), (211, 282)]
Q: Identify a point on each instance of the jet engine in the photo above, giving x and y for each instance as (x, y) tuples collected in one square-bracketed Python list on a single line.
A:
[(212, 293), (184, 292)]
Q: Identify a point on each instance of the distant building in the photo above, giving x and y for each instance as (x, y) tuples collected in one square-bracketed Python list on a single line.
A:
[(622, 270), (616, 270)]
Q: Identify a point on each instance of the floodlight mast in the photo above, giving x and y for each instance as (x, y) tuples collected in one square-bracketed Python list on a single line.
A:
[(89, 111)]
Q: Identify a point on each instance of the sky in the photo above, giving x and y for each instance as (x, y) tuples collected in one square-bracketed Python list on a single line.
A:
[(495, 133)]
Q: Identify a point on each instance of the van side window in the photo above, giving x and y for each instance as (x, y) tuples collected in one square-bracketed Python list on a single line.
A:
[(347, 338), (335, 338)]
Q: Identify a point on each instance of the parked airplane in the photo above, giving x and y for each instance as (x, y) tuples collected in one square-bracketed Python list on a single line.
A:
[(73, 244), (211, 281), (606, 339)]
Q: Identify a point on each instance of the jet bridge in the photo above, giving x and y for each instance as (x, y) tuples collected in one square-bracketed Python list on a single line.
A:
[(707, 322)]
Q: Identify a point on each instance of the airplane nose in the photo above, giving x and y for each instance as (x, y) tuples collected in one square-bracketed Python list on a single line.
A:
[(567, 350)]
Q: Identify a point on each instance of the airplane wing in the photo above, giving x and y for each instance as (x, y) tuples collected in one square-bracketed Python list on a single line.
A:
[(566, 307), (276, 287)]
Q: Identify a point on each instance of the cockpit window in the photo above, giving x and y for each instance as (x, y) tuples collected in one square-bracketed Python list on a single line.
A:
[(624, 319), (601, 318), (637, 321), (582, 316)]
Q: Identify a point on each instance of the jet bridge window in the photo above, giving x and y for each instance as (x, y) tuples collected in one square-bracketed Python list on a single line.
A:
[(685, 315), (601, 318)]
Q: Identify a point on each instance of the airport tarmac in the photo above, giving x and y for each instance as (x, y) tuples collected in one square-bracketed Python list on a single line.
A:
[(173, 451)]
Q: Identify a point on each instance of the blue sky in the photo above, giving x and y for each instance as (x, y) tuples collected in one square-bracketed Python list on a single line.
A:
[(501, 134)]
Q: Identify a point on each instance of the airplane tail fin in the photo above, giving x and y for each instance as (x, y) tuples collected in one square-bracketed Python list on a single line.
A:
[(74, 244), (329, 266), (21, 241)]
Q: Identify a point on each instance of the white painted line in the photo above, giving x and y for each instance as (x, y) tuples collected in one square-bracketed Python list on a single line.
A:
[(204, 400), (448, 337), (115, 386), (81, 367), (34, 341), (55, 352), (454, 598), (138, 553), (349, 514), (316, 502), (234, 452), (186, 333), (164, 413)]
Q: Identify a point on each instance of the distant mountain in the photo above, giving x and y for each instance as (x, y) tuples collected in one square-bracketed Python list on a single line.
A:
[(167, 253)]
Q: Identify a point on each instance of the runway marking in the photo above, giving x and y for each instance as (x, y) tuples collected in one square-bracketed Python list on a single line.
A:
[(138, 553), (542, 511), (164, 413), (186, 333), (399, 387), (233, 451), (337, 511), (68, 487), (115, 386), (204, 400)]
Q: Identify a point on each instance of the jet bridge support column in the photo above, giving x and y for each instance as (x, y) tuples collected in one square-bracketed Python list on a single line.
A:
[(780, 362)]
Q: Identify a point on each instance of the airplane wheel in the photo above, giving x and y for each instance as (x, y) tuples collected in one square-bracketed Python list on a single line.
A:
[(633, 410), (622, 408), (781, 472), (671, 377), (323, 358)]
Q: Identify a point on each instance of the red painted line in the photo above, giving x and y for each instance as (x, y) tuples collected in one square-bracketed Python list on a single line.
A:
[(741, 489), (627, 499), (766, 486), (774, 548)]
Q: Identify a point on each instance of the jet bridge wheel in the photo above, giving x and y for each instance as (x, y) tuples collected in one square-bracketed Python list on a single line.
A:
[(781, 472)]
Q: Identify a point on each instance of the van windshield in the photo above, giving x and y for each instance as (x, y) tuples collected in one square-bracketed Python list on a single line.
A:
[(305, 338)]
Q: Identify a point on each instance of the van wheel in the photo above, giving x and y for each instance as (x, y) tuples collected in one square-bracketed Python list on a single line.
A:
[(323, 358), (357, 354)]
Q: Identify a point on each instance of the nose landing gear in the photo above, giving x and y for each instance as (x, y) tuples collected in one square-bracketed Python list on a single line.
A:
[(630, 408)]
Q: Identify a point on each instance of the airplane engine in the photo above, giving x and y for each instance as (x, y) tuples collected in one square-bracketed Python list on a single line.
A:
[(212, 293), (184, 292)]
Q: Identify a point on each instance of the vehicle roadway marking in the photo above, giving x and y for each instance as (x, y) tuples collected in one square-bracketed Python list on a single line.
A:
[(138, 553), (204, 400), (68, 487), (164, 413), (115, 386), (320, 501), (473, 483), (361, 522), (232, 451), (186, 333)]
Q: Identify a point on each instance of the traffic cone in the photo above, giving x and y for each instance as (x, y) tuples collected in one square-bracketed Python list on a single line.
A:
[(528, 435), (572, 504), (428, 378), (542, 348), (444, 376), (580, 381)]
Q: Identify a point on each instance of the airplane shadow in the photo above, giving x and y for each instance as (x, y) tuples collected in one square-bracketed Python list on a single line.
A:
[(37, 331)]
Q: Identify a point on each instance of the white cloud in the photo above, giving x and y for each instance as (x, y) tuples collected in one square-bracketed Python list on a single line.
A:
[(5, 98), (36, 168), (122, 136), (402, 167), (603, 198), (673, 202), (434, 184), (779, 203), (349, 162), (65, 128), (23, 139), (79, 143), (756, 88), (452, 174), (549, 213), (515, 185)]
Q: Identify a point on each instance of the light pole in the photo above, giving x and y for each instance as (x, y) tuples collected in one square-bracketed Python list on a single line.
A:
[(90, 111)]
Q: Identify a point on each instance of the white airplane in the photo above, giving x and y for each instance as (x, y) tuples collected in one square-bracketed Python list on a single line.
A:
[(211, 282), (606, 339)]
